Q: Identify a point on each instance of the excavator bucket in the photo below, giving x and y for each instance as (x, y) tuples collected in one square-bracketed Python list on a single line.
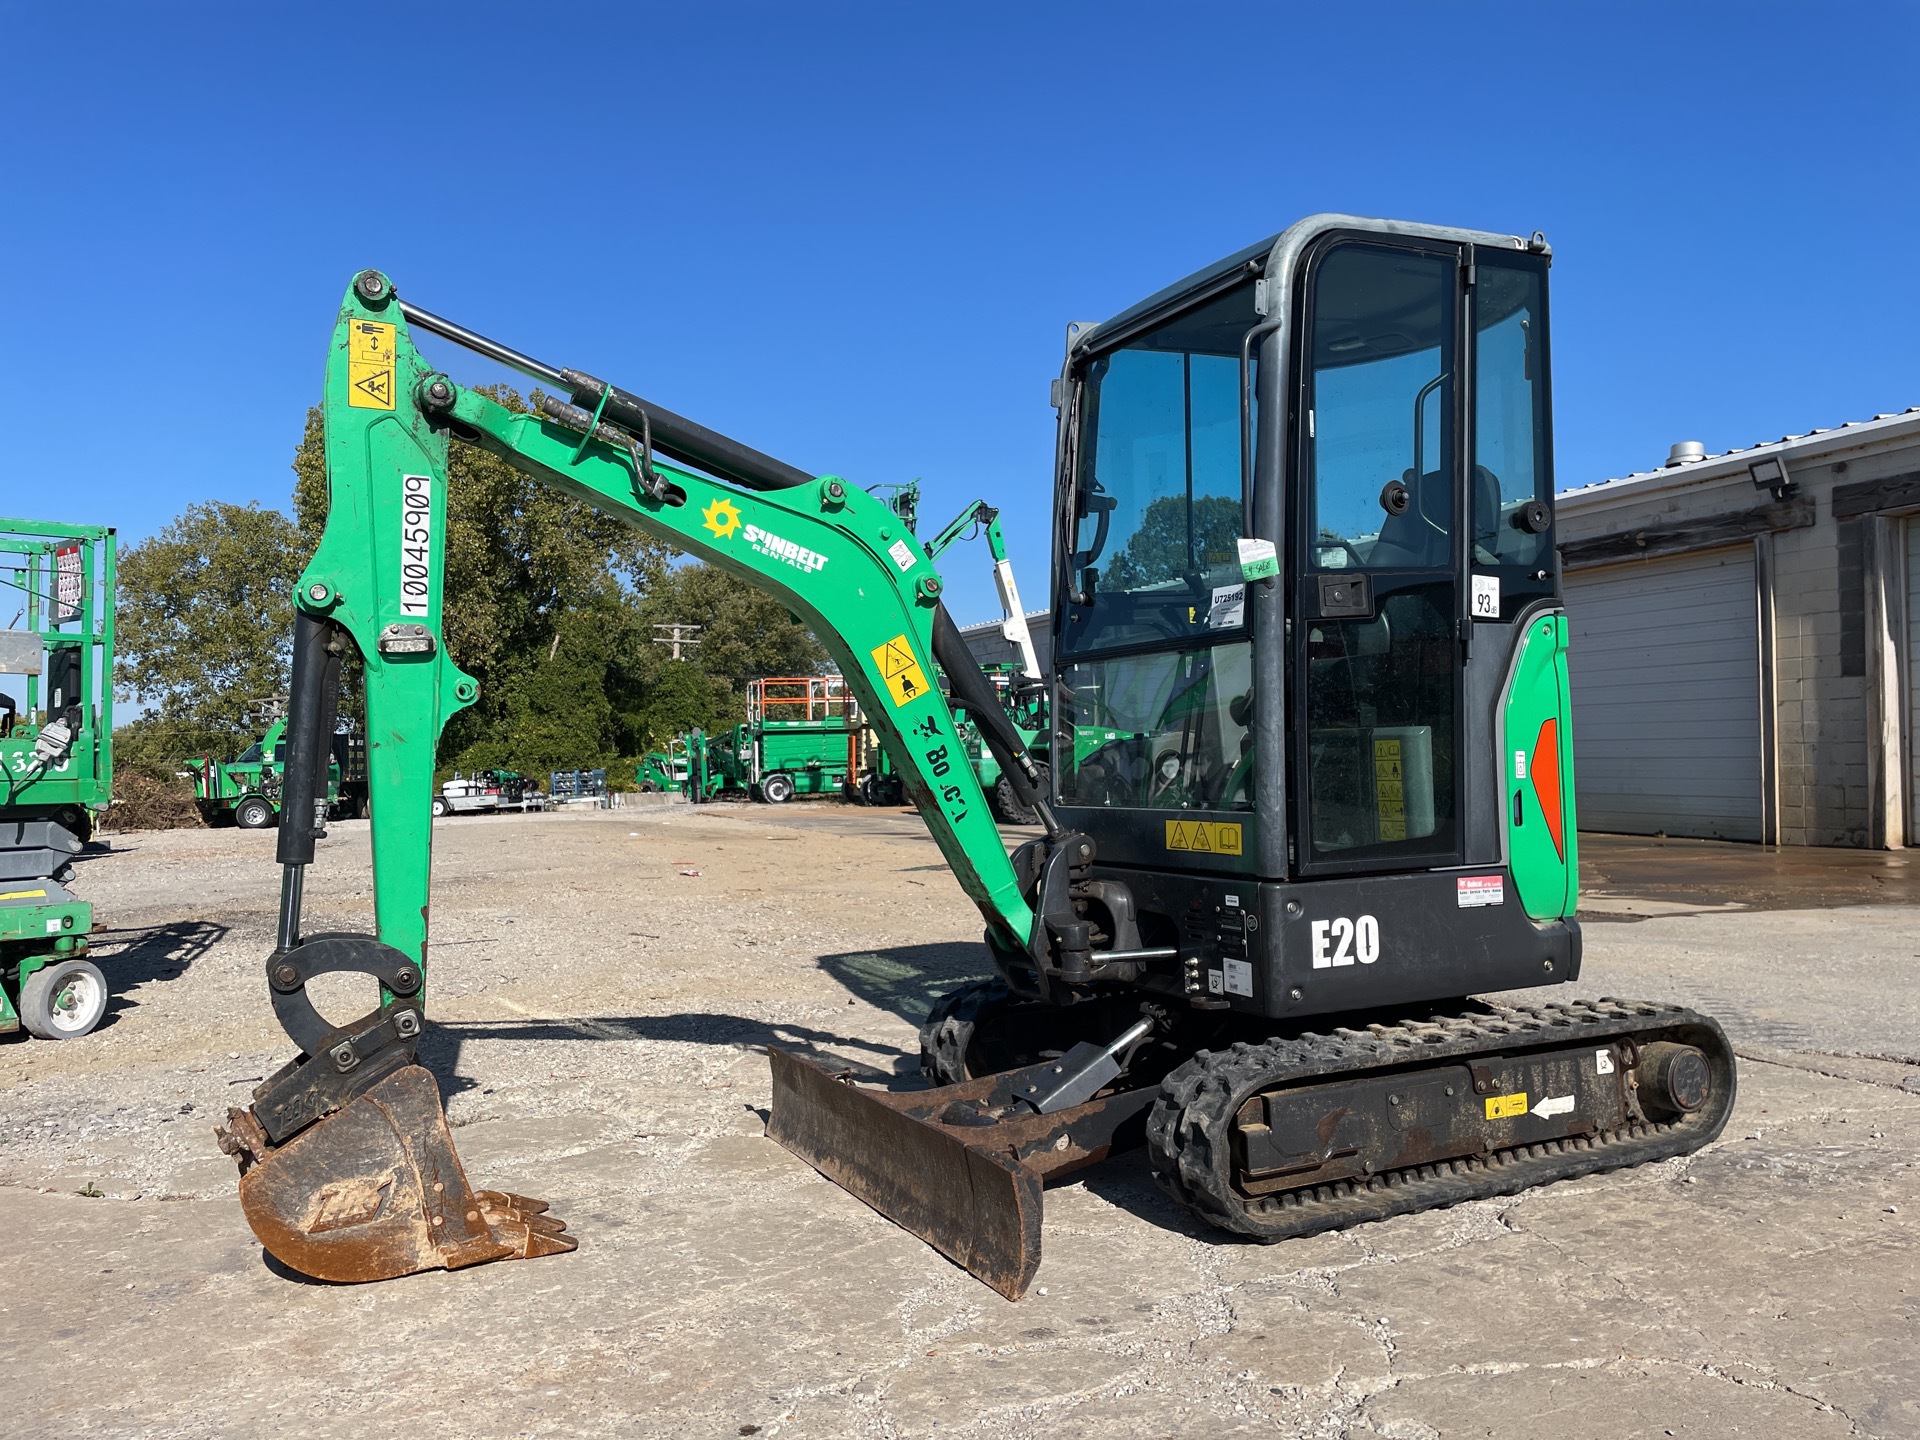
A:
[(375, 1190), (962, 1167)]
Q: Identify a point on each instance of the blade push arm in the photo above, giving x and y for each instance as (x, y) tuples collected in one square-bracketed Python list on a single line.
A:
[(841, 560)]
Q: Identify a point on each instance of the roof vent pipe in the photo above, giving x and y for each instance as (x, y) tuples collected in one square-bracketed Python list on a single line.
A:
[(1687, 452)]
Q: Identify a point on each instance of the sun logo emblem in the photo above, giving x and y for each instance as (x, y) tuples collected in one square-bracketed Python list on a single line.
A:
[(722, 517)]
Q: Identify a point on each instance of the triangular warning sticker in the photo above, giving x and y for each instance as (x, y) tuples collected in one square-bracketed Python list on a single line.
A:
[(379, 385), (1200, 839), (898, 659), (1177, 837)]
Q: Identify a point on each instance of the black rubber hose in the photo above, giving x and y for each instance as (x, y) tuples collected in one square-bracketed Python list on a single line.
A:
[(974, 692)]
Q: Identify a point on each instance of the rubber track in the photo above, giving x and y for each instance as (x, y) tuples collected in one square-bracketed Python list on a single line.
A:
[(948, 1029), (1189, 1140)]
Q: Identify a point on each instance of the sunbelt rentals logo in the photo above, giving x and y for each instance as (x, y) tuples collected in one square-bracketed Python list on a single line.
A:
[(798, 556)]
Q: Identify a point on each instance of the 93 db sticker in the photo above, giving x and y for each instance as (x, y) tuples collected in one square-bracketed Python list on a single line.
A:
[(416, 544)]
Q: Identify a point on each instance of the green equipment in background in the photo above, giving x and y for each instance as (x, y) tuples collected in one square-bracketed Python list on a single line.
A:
[(801, 737), (660, 772), (56, 757), (246, 791)]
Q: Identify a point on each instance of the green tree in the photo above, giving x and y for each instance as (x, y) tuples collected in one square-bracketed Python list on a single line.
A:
[(541, 591), (744, 632), (682, 697), (204, 621), (1161, 548)]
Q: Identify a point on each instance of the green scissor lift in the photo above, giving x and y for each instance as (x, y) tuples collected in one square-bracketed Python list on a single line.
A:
[(56, 754), (801, 737)]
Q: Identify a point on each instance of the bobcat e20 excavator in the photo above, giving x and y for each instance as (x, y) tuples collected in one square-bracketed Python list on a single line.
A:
[(1311, 781)]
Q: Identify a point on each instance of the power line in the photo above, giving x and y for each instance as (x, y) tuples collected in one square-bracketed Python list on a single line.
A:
[(681, 635)]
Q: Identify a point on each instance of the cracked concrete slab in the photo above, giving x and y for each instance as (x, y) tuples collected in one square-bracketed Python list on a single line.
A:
[(603, 1023)]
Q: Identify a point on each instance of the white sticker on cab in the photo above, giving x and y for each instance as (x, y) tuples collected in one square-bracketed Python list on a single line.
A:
[(1472, 891), (1486, 597)]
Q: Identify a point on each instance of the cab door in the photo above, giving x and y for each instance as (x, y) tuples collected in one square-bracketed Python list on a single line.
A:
[(1377, 555)]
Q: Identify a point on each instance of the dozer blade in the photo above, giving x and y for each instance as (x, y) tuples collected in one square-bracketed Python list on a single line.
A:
[(962, 1167), (375, 1190)]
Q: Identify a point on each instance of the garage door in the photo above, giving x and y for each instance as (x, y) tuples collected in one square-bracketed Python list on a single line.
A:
[(1665, 668), (1913, 678)]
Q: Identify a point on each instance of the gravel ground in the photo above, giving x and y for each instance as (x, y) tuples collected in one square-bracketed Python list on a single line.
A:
[(605, 983)]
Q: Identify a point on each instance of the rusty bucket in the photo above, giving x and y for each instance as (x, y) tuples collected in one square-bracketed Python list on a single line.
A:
[(376, 1190)]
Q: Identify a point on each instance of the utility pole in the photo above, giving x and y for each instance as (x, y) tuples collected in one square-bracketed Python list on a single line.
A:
[(680, 635)]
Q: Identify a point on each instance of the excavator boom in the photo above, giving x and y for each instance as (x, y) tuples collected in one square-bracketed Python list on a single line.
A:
[(348, 1169)]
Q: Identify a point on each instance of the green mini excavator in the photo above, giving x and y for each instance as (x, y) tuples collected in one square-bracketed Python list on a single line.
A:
[(1310, 791)]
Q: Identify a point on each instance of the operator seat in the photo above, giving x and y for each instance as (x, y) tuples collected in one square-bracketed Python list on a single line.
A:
[(1411, 541)]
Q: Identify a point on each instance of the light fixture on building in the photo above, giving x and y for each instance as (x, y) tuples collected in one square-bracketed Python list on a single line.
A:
[(1770, 473)]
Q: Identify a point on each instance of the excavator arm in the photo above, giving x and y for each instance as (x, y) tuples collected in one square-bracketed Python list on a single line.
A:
[(348, 1169)]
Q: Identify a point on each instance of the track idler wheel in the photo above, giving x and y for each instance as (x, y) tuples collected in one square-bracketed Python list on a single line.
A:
[(376, 1190)]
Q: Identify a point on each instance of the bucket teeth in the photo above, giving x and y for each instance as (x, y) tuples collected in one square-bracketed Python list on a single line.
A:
[(376, 1190), (523, 1222)]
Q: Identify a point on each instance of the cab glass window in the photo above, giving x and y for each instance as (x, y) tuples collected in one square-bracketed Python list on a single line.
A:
[(1160, 731), (1157, 493), (1380, 430), (1512, 461)]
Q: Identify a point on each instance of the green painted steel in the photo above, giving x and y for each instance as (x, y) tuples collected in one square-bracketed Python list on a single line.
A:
[(829, 551), (31, 560), (660, 771), (67, 576), (57, 928), (1536, 766)]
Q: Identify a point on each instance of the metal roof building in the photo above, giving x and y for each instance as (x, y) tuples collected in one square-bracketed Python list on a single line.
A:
[(1744, 629)]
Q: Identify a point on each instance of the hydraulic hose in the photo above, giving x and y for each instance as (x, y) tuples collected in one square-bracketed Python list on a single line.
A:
[(973, 692)]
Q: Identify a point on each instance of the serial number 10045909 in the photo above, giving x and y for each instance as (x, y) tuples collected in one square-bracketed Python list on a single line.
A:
[(416, 544)]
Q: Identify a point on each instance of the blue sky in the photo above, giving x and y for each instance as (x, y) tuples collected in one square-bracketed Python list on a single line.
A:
[(852, 235)]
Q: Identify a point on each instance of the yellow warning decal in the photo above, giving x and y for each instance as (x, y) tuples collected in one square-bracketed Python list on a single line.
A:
[(1506, 1107), (1388, 790), (370, 365), (900, 670), (1205, 837), (24, 895)]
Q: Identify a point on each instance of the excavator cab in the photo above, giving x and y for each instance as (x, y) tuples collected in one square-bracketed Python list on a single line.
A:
[(1310, 785), (1304, 532)]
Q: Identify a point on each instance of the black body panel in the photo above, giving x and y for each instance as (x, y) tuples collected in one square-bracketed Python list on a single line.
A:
[(1252, 946)]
